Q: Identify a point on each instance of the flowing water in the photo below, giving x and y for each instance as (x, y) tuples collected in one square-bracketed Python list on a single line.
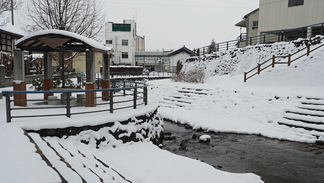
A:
[(274, 160)]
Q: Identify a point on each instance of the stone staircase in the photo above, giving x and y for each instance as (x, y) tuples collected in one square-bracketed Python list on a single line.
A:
[(308, 115), (73, 164), (184, 97)]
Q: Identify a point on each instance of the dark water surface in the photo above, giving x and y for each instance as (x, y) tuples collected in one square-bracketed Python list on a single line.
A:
[(275, 161)]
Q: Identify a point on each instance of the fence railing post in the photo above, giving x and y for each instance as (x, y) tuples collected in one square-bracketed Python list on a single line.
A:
[(259, 68), (68, 105), (273, 61), (124, 85), (226, 45), (8, 109), (135, 96), (145, 95), (308, 49), (289, 60), (244, 77), (111, 102)]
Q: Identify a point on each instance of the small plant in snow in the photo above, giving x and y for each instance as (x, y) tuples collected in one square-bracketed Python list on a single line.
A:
[(192, 76)]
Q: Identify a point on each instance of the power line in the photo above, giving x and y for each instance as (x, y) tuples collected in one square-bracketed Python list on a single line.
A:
[(174, 5)]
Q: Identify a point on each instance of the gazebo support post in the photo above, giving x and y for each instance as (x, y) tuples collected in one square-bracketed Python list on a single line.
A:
[(19, 83), (48, 74), (91, 99), (105, 82), (61, 56)]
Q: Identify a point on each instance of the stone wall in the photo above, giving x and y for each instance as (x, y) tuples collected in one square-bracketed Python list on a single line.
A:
[(145, 127)]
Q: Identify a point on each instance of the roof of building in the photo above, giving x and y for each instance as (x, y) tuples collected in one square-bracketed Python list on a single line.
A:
[(12, 30), (183, 49), (59, 40), (242, 23), (152, 53)]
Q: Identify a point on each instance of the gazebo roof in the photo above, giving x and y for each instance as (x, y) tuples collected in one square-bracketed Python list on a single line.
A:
[(59, 41)]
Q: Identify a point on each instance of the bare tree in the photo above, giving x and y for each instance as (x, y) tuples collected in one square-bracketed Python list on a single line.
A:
[(84, 17), (5, 5)]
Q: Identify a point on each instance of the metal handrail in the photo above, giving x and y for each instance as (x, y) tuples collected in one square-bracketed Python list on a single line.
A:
[(277, 36), (133, 102)]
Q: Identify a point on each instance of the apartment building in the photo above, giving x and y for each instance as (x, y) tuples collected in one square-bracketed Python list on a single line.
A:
[(124, 41)]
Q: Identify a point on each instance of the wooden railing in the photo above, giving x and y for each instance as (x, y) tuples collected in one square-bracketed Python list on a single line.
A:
[(272, 61)]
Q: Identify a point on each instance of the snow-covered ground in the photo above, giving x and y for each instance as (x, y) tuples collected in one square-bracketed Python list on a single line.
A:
[(223, 103), (254, 107), (70, 159)]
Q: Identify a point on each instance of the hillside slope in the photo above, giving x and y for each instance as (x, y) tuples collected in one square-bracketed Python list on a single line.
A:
[(240, 60)]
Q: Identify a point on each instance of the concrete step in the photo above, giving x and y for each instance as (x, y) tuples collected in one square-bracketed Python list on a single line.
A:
[(304, 118), (306, 113), (57, 161), (301, 124)]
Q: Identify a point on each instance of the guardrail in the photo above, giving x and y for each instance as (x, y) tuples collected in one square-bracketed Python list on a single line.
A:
[(242, 41), (262, 66), (130, 95)]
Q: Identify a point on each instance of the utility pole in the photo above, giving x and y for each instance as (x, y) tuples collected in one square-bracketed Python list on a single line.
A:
[(12, 13)]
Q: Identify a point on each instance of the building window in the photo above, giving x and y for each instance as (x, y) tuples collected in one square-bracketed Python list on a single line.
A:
[(109, 41), (295, 3), (5, 42), (124, 54), (255, 24), (124, 42)]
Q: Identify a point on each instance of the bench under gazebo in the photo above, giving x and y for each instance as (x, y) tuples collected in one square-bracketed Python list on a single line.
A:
[(60, 41)]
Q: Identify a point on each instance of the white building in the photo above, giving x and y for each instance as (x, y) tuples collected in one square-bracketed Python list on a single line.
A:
[(288, 14), (181, 55), (122, 38), (289, 19), (158, 61)]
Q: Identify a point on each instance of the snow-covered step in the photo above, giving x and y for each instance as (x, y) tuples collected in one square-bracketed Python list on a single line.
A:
[(175, 104), (180, 99), (307, 112), (300, 124), (198, 92), (313, 102), (304, 118), (190, 97), (92, 169), (57, 161), (311, 107)]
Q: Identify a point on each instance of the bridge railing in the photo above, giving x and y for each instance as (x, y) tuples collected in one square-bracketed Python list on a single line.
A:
[(125, 95)]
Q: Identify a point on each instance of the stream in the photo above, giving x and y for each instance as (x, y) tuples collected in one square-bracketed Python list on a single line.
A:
[(275, 161)]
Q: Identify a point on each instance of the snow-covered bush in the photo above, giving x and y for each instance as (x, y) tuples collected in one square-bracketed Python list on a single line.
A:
[(192, 76)]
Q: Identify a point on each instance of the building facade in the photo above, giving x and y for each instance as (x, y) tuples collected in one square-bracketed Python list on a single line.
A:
[(284, 20), (181, 55), (158, 61), (288, 14), (123, 39)]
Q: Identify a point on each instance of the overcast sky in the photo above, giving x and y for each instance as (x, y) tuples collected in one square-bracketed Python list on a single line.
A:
[(170, 24)]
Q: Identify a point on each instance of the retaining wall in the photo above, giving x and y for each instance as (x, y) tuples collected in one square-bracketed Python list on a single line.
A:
[(145, 127)]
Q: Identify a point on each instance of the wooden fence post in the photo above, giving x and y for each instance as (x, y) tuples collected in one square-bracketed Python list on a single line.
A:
[(308, 49), (273, 61), (289, 60), (259, 68), (244, 77)]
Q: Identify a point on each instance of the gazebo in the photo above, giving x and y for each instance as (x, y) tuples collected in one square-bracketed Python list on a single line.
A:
[(49, 41)]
